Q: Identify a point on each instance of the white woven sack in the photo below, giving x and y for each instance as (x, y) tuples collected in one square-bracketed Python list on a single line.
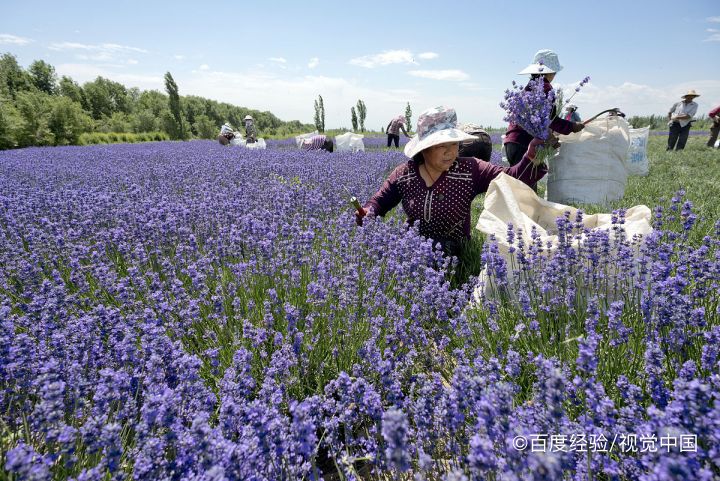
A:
[(259, 144), (509, 200), (349, 142), (590, 167)]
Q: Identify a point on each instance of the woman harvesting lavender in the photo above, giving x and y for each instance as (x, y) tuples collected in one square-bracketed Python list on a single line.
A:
[(517, 139), (436, 187)]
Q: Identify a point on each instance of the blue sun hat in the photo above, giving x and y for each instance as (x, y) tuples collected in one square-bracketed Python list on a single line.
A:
[(545, 61), (436, 126)]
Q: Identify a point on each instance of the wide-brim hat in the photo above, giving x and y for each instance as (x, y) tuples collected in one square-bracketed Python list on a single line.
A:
[(691, 93), (248, 117), (435, 126), (545, 61)]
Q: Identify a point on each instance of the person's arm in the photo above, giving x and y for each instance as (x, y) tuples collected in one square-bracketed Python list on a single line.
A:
[(387, 197), (714, 112), (402, 127), (388, 127), (565, 127), (485, 172)]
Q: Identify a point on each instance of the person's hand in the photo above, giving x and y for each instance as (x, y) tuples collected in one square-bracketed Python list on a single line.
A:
[(554, 141), (535, 143), (577, 127), (360, 214)]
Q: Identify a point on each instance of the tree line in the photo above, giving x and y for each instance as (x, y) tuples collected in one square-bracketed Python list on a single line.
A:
[(37, 108)]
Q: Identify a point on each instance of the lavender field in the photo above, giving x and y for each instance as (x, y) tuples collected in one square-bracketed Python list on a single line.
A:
[(180, 311)]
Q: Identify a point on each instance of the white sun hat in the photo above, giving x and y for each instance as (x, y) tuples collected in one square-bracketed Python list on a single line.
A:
[(545, 61), (436, 126), (248, 117)]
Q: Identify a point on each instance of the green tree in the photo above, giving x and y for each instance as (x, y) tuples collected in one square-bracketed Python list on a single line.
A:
[(43, 76), (67, 121), (119, 122), (133, 98), (154, 101), (72, 90), (408, 116), (9, 125), (35, 109), (144, 121), (177, 129), (320, 114), (104, 97), (353, 119), (193, 108), (13, 78), (205, 127), (362, 112)]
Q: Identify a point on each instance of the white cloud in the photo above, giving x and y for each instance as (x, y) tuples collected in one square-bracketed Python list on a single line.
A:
[(639, 99), (714, 35), (179, 57), (6, 38), (314, 62), (454, 75), (204, 67), (132, 61), (713, 19), (277, 59), (428, 55), (385, 58), (103, 52)]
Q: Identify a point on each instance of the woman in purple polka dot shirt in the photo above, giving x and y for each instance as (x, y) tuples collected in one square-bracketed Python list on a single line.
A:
[(436, 187)]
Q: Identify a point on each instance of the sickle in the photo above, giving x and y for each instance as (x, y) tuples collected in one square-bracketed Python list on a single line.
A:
[(614, 109)]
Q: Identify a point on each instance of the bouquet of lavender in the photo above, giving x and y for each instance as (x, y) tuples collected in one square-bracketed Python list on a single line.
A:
[(532, 109)]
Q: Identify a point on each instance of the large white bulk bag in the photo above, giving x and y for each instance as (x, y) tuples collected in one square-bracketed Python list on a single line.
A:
[(637, 160), (510, 201), (591, 165), (349, 142), (259, 144), (299, 138)]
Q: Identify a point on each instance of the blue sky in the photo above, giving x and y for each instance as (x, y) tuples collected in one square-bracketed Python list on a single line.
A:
[(278, 56)]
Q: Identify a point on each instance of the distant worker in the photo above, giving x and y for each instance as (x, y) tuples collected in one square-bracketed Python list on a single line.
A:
[(680, 117), (393, 130), (250, 130), (571, 113), (227, 133), (317, 142), (715, 127)]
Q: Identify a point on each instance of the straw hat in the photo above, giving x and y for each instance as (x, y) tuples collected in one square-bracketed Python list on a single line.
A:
[(436, 126), (691, 93), (248, 117)]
